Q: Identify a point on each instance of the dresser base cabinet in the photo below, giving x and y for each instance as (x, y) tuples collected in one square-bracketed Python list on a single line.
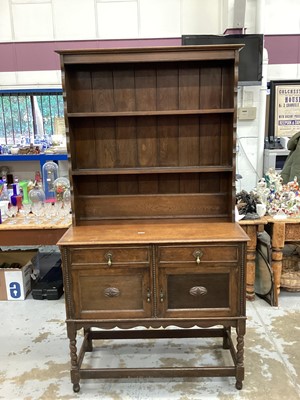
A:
[(117, 277)]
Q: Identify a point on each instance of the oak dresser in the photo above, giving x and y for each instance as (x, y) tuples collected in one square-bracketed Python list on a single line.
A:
[(153, 242)]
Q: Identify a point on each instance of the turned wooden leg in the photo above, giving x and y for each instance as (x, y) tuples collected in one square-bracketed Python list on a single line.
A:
[(277, 268), (89, 342), (251, 231), (240, 370), (278, 239), (226, 336), (75, 378), (250, 268)]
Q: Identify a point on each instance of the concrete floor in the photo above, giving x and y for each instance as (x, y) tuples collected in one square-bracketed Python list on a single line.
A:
[(34, 357)]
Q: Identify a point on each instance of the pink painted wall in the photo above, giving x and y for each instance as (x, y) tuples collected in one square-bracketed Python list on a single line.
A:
[(283, 49), (41, 56)]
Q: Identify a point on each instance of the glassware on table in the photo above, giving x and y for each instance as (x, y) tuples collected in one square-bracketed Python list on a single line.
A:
[(60, 186), (67, 205), (66, 215), (67, 197), (37, 195), (48, 211), (58, 207), (24, 190), (25, 211), (11, 213), (4, 207), (50, 174), (37, 209)]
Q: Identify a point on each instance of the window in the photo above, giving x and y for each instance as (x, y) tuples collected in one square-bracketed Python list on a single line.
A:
[(26, 117)]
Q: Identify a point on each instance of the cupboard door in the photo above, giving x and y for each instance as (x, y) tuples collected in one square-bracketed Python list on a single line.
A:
[(101, 293), (198, 291)]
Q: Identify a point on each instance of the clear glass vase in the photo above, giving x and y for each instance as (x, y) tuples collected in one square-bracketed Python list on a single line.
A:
[(37, 195), (49, 175)]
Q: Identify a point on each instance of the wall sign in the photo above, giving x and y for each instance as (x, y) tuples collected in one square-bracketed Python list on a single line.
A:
[(284, 108)]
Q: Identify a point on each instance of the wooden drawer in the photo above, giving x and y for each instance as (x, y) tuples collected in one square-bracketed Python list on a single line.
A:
[(110, 255), (204, 253)]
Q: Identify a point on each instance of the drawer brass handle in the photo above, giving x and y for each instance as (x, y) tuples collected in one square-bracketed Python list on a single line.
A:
[(198, 291), (198, 254), (112, 292), (108, 257), (148, 295)]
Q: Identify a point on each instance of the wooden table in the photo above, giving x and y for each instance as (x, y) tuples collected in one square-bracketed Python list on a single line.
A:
[(32, 234), (252, 228), (281, 232)]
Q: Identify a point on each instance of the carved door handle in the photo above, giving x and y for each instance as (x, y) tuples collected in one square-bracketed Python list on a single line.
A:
[(112, 292), (198, 291)]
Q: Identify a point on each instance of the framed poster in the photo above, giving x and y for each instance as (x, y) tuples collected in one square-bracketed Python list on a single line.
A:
[(284, 120)]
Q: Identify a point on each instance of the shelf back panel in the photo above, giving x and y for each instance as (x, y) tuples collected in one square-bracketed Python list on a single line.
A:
[(150, 86), (141, 184), (152, 141), (152, 206), (200, 195)]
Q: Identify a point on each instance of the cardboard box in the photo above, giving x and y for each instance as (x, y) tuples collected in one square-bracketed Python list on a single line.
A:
[(15, 283)]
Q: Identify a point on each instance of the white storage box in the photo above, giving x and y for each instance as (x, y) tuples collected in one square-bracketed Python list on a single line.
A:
[(15, 273)]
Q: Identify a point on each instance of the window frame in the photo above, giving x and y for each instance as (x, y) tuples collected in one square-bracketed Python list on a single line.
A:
[(33, 132)]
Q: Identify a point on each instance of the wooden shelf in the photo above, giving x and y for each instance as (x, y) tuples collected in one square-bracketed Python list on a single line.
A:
[(91, 196), (154, 170), (210, 219), (148, 113)]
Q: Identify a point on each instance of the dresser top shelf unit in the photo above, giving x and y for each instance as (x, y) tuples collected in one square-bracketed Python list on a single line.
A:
[(151, 126)]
